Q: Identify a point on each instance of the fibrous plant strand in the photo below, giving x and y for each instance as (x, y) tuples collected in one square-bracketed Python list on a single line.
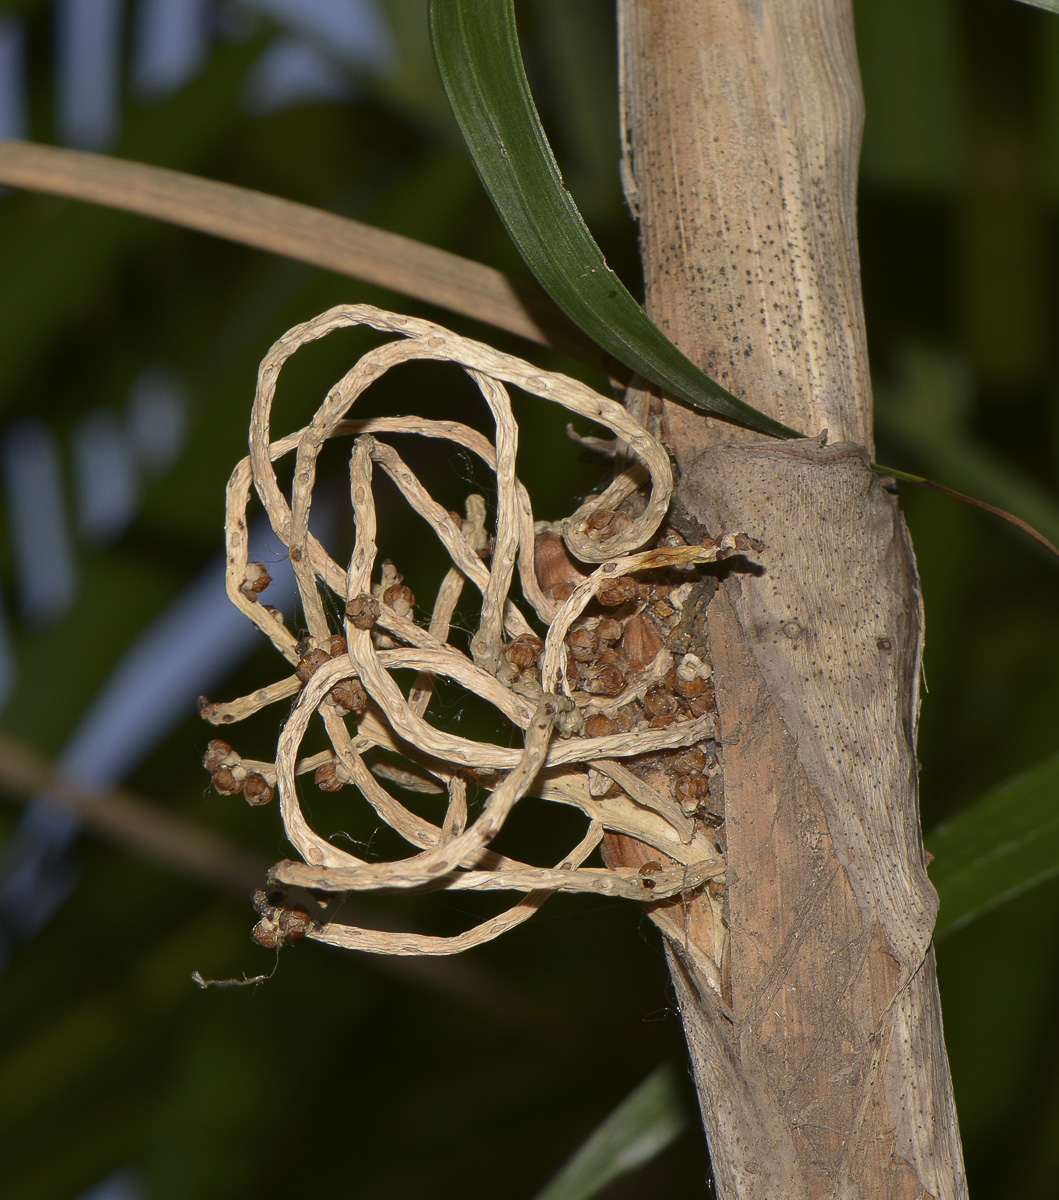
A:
[(581, 644)]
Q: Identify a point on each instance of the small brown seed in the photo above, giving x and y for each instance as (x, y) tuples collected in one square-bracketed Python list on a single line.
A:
[(629, 716), (362, 611), (559, 593), (606, 680), (598, 520), (691, 761), (618, 591), (399, 597), (524, 651), (583, 644), (310, 663), (604, 523), (218, 754), (641, 641), (600, 725), (257, 789), (688, 688), (659, 699), (705, 702), (327, 778), (662, 721), (293, 923), (692, 790), (265, 933), (610, 657), (226, 783), (609, 630), (255, 579), (554, 566), (350, 695)]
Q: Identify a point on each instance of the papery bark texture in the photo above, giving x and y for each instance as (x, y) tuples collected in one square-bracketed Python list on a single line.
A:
[(820, 1062)]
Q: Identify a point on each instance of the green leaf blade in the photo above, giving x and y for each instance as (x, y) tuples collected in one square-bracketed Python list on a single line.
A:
[(478, 57), (648, 1120), (997, 848)]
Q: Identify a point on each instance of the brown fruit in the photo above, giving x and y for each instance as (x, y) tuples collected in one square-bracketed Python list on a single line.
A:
[(692, 790), (293, 923), (349, 694), (618, 591), (629, 716), (583, 644), (691, 761), (218, 754), (255, 580), (362, 611), (705, 702), (662, 721), (327, 778), (266, 933), (226, 783), (523, 652), (606, 679), (689, 688), (257, 789), (604, 523), (641, 641), (310, 663), (399, 597), (554, 567), (600, 725), (659, 699), (609, 630)]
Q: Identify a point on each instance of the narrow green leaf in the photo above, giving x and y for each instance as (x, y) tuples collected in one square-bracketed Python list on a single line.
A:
[(1004, 844), (648, 1120), (477, 52)]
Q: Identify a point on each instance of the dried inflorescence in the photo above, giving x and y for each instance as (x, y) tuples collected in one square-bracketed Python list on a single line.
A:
[(596, 666)]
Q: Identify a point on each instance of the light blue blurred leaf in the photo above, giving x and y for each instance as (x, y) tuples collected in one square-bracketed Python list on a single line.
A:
[(648, 1120)]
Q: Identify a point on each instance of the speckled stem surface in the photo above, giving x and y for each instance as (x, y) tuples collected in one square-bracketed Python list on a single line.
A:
[(820, 1060)]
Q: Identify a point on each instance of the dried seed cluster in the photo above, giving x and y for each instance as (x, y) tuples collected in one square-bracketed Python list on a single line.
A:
[(231, 775), (593, 663), (279, 923)]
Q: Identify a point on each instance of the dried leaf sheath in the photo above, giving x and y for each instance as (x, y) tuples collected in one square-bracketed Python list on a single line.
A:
[(608, 682)]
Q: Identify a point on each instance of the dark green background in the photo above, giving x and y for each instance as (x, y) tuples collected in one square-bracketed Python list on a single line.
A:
[(480, 1075)]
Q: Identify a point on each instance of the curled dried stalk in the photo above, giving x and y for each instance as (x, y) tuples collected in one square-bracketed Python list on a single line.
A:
[(588, 661)]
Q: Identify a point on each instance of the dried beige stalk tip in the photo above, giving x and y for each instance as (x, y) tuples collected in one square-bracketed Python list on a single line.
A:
[(582, 653)]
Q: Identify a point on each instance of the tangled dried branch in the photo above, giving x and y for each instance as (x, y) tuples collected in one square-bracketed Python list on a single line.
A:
[(614, 702)]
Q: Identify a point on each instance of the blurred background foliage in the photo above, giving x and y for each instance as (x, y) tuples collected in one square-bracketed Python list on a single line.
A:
[(118, 1078)]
